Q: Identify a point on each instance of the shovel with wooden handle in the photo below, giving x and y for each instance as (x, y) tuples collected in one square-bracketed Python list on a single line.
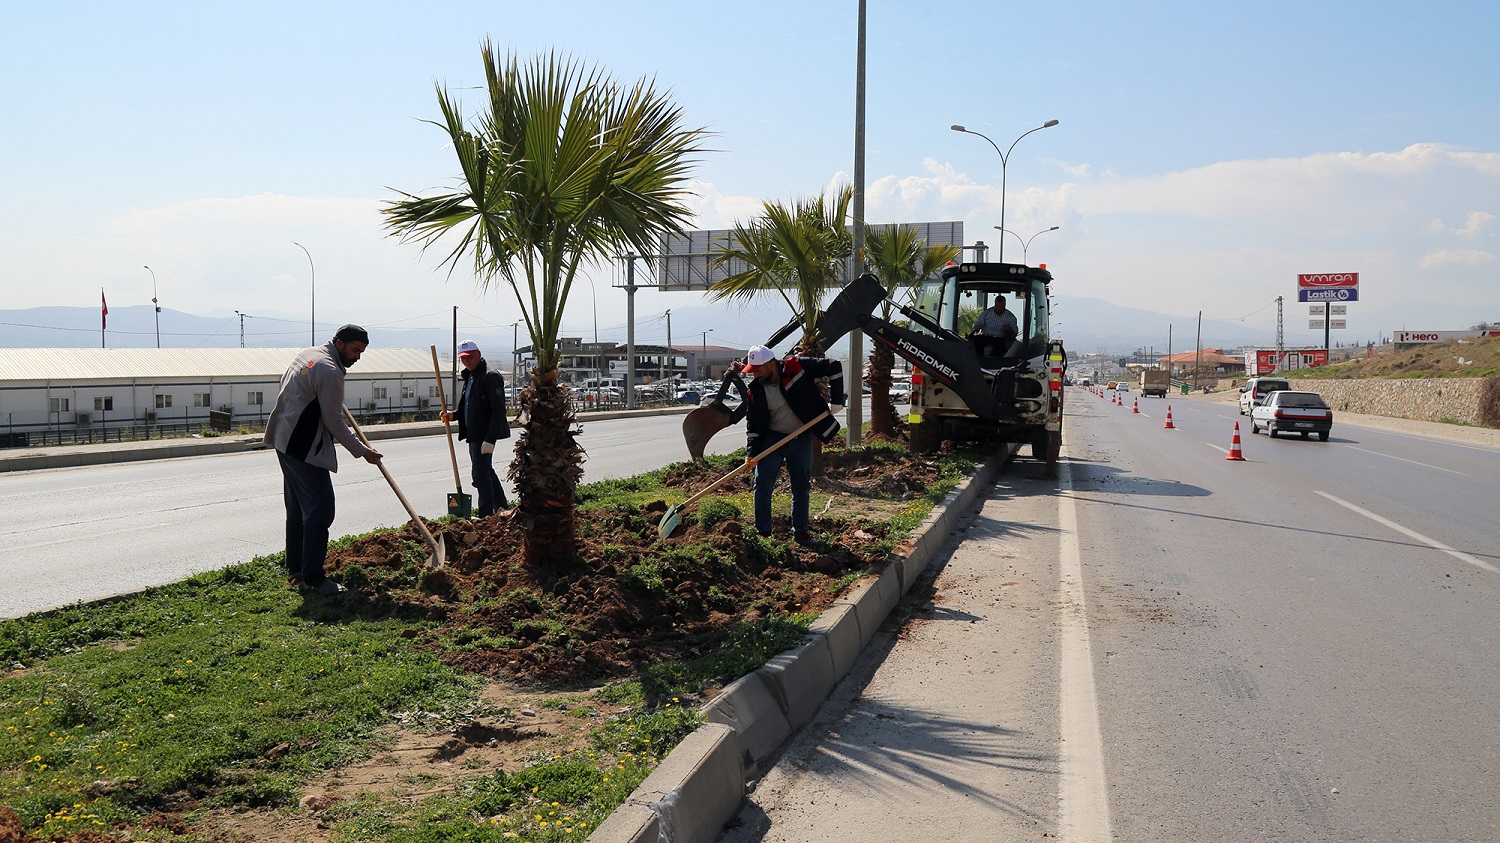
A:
[(459, 504), (673, 516), (438, 557)]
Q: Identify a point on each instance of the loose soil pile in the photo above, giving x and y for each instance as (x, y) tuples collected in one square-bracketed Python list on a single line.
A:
[(631, 598)]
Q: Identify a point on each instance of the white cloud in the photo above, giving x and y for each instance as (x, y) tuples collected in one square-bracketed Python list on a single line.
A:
[(1476, 224), (1228, 238), (1457, 257)]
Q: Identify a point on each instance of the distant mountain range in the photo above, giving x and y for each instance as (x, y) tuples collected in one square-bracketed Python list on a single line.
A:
[(1087, 325)]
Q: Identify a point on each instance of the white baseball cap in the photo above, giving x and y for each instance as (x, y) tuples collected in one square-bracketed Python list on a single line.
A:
[(468, 347), (759, 356)]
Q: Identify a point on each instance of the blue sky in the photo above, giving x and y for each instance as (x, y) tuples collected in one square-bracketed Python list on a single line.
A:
[(1206, 154)]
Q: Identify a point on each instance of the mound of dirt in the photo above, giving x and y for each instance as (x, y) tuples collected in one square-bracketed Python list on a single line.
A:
[(630, 598)]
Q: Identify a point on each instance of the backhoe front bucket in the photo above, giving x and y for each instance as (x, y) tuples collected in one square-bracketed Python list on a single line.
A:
[(700, 425)]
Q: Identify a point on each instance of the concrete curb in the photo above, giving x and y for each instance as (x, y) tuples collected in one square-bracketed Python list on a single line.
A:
[(750, 720), (105, 453)]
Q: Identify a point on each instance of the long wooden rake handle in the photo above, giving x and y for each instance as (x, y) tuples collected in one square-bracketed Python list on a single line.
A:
[(742, 467), (443, 400), (432, 542)]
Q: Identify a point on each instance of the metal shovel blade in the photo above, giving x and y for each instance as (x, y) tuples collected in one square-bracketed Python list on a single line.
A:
[(439, 552), (669, 522), (700, 425)]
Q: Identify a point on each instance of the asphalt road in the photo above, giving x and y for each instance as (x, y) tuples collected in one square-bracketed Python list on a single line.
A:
[(72, 534), (1166, 645)]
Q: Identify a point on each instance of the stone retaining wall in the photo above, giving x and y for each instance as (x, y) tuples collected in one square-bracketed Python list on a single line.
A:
[(1465, 400)]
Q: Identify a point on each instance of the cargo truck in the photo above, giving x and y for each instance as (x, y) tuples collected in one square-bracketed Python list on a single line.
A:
[(1155, 382)]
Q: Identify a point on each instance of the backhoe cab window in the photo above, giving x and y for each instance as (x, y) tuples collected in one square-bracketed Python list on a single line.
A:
[(937, 301)]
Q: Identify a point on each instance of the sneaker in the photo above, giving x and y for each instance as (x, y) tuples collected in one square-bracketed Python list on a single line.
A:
[(803, 537), (763, 535), (327, 588)]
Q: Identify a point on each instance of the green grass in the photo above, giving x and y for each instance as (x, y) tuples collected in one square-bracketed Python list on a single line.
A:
[(229, 690), (225, 687)]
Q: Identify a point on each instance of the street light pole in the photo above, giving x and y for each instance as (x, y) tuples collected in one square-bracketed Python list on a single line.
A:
[(1025, 244), (664, 367), (704, 355), (313, 293), (515, 355), (157, 306), (1004, 160)]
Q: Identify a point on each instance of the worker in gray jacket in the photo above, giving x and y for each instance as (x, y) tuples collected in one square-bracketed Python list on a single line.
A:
[(307, 418)]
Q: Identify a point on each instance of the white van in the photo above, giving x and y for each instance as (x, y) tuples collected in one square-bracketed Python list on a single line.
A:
[(1255, 391)]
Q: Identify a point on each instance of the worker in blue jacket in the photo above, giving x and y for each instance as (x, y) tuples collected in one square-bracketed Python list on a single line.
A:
[(783, 398)]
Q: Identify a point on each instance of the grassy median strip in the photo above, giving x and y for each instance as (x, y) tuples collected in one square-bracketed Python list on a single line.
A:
[(228, 691)]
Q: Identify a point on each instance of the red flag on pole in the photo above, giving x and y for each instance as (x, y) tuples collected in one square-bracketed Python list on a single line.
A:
[(103, 310)]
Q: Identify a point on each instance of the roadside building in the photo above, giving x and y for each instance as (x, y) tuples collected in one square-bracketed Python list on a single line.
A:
[(55, 394)]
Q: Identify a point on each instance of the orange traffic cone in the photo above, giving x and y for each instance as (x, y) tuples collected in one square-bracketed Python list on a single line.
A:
[(1135, 406), (1234, 445), (1168, 425)]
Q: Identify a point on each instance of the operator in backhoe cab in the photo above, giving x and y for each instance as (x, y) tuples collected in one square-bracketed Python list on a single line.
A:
[(783, 398), (995, 330)]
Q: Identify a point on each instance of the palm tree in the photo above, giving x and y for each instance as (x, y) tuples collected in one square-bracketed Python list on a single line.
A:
[(901, 259), (563, 167), (798, 251)]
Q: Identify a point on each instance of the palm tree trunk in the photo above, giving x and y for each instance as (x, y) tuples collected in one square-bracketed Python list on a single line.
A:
[(883, 421), (546, 472)]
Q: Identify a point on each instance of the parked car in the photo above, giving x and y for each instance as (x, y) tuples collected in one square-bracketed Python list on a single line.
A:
[(689, 396), (1287, 411), (1255, 390)]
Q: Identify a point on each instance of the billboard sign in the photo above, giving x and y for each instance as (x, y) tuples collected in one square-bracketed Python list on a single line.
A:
[(688, 260), (1328, 287), (1317, 324), (1340, 294), (1267, 361), (1422, 337)]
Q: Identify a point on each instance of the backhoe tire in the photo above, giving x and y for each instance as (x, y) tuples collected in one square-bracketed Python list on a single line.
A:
[(925, 437), (1039, 444)]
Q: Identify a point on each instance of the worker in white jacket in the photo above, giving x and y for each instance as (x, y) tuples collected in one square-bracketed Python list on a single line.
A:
[(307, 418)]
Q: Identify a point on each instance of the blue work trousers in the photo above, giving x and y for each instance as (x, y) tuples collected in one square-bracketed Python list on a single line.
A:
[(486, 482), (308, 492), (797, 454)]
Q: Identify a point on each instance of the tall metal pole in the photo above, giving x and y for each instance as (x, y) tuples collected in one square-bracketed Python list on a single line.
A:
[(313, 295), (630, 332), (515, 353), (242, 328), (158, 307), (1327, 326), (1198, 351), (664, 368), (855, 412)]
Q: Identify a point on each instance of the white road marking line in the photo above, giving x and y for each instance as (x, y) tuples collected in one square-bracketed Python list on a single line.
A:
[(1433, 543), (1404, 459), (1083, 796), (1217, 448)]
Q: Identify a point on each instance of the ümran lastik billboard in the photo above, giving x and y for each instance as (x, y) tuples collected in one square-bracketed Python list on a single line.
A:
[(1328, 287)]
